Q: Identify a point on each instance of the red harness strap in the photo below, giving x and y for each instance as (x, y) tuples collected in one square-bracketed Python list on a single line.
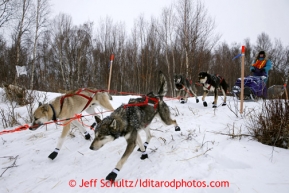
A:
[(144, 103), (221, 79), (79, 93), (209, 87)]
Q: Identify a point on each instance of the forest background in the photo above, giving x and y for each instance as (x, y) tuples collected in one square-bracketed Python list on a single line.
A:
[(60, 56)]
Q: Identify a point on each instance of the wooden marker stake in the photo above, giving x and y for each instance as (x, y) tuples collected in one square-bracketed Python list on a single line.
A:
[(242, 79), (110, 70)]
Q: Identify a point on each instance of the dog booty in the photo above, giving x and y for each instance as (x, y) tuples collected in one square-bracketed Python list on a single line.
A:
[(112, 175), (93, 125), (144, 156), (177, 128), (205, 104), (87, 135), (182, 100), (54, 154)]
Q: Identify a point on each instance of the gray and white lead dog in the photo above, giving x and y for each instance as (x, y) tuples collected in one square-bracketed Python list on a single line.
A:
[(183, 85), (127, 120)]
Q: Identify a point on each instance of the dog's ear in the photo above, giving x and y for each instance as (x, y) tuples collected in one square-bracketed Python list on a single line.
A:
[(113, 124), (97, 119), (44, 108), (39, 104)]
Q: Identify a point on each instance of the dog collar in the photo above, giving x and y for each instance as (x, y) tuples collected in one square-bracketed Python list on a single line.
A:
[(54, 114)]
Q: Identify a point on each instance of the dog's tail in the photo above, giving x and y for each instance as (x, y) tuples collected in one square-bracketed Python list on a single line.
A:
[(163, 85)]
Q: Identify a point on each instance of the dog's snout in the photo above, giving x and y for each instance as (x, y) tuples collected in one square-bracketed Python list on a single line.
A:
[(91, 147), (34, 126)]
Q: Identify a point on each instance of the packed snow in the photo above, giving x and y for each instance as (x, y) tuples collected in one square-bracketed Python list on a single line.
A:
[(201, 158)]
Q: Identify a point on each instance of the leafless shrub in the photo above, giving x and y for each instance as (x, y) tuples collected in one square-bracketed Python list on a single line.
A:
[(15, 93), (163, 140), (12, 165), (270, 126), (33, 98), (236, 110), (175, 111), (194, 111), (3, 118), (9, 116), (233, 132), (204, 142)]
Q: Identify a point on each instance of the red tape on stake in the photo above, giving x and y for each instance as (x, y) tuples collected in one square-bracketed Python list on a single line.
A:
[(243, 49), (111, 57)]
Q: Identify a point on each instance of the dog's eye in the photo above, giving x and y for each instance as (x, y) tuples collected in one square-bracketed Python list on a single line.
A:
[(35, 118)]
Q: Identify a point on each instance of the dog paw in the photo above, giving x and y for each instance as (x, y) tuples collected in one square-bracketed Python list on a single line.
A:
[(111, 176), (224, 104), (205, 104), (144, 156), (53, 155), (197, 100), (182, 100), (177, 128), (145, 146), (87, 136)]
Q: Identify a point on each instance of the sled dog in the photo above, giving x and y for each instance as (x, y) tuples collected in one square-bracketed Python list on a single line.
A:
[(128, 119), (66, 106), (183, 85), (211, 83)]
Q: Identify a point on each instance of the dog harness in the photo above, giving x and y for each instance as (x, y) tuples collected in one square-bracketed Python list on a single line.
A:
[(152, 101), (209, 82), (181, 86), (79, 94)]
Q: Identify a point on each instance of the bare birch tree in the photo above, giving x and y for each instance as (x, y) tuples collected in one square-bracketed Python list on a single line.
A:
[(195, 29), (167, 36), (7, 10), (22, 25), (61, 30), (41, 21)]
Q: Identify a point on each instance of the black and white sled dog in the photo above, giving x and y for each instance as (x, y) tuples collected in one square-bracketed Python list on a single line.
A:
[(212, 83), (183, 85), (128, 119)]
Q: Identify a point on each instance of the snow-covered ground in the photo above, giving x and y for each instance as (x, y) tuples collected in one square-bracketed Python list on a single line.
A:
[(191, 160)]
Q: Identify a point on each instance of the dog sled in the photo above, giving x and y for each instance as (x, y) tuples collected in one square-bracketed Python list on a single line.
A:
[(254, 88)]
